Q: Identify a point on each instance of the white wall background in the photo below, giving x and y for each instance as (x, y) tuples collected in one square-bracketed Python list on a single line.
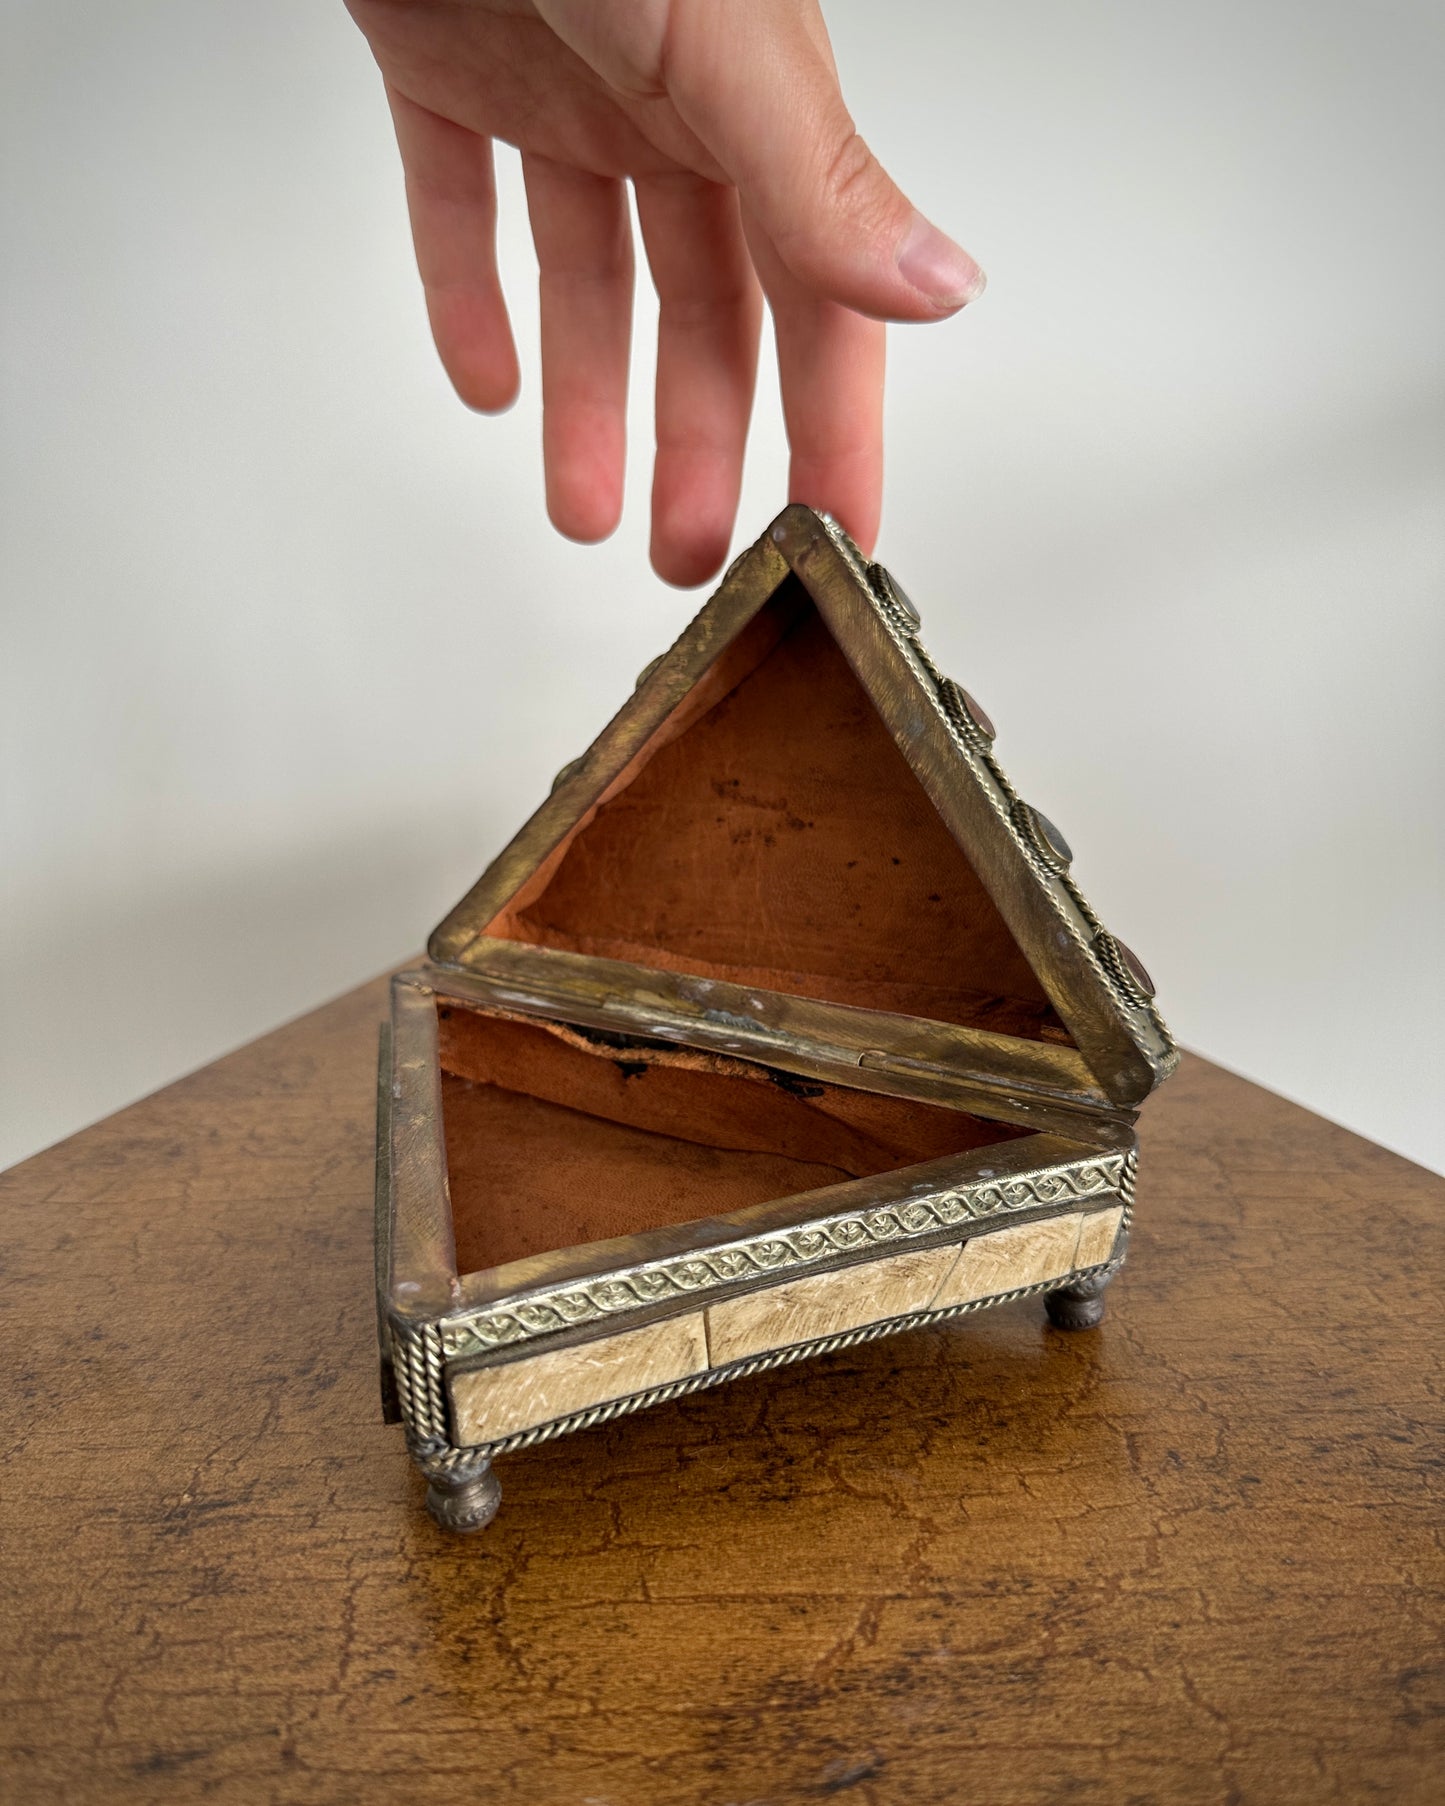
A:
[(288, 646)]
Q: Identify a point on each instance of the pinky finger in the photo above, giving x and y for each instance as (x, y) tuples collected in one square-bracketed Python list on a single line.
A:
[(452, 199)]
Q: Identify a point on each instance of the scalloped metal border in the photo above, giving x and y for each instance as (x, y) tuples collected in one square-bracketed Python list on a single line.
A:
[(768, 1257)]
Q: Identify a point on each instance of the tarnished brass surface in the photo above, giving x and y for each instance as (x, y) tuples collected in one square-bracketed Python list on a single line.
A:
[(1038, 1174), (904, 1055), (1078, 1101)]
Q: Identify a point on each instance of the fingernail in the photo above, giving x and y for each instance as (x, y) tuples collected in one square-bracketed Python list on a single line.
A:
[(937, 267)]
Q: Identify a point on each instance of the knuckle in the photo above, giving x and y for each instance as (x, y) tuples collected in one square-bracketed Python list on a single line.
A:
[(852, 205), (849, 180)]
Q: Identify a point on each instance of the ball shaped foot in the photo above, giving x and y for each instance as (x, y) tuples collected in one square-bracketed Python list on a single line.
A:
[(1077, 1307), (466, 1503)]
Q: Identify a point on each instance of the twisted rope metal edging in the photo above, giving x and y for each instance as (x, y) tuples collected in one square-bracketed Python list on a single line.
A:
[(1128, 1178), (418, 1363)]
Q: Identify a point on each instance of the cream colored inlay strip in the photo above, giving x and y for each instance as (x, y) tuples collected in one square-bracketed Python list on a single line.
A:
[(825, 1304), (1025, 1254), (491, 1402), (1097, 1237)]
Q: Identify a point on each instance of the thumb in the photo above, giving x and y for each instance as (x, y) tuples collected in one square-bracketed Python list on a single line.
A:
[(755, 82)]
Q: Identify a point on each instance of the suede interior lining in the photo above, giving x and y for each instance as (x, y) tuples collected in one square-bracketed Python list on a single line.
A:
[(556, 1136), (772, 834)]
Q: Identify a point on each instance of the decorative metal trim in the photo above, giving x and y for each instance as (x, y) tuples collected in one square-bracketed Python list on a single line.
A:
[(1127, 1181), (1120, 1032), (776, 1357), (766, 1257), (419, 1364)]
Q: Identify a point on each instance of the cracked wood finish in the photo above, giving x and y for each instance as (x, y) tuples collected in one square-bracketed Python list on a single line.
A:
[(1189, 1556)]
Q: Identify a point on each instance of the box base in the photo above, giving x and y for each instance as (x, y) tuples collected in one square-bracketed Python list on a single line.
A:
[(464, 1494)]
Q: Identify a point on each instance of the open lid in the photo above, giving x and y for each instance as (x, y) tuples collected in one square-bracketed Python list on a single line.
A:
[(795, 839)]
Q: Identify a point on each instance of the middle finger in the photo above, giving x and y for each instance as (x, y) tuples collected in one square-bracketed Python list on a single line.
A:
[(583, 234), (710, 314)]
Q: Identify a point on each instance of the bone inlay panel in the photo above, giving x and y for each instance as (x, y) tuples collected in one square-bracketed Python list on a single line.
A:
[(490, 1402), (1023, 1255), (825, 1304), (1097, 1237)]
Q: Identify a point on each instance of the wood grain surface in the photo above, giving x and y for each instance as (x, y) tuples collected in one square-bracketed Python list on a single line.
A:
[(1191, 1556)]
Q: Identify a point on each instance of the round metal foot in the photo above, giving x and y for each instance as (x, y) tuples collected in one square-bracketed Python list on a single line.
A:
[(1078, 1306), (465, 1502)]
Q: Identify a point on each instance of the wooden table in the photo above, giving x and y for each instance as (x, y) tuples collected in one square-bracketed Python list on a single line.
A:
[(1190, 1556)]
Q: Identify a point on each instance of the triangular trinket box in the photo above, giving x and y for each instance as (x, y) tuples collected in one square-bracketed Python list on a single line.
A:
[(781, 1025)]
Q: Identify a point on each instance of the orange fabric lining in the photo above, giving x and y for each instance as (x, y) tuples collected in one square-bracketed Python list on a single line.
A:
[(780, 839)]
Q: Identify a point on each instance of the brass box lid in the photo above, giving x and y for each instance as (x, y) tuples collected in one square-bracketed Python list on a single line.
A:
[(794, 843)]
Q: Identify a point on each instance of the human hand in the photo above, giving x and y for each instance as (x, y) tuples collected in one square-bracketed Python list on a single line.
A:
[(750, 179)]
